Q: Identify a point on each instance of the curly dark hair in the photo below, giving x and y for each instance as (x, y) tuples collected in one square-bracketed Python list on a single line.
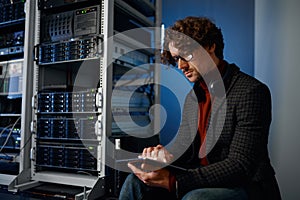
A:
[(189, 32)]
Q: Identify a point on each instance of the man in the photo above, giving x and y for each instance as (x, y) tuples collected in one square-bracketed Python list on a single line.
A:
[(223, 136)]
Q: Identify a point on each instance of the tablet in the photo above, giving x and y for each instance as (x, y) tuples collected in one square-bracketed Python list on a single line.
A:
[(149, 164)]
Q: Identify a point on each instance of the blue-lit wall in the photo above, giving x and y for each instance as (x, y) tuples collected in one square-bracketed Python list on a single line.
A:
[(277, 53)]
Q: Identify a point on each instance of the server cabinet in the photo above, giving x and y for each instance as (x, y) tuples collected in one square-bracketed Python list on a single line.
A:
[(93, 86), (135, 76), (12, 28), (67, 142)]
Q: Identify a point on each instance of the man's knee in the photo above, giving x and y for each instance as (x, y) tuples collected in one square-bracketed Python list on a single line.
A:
[(131, 178)]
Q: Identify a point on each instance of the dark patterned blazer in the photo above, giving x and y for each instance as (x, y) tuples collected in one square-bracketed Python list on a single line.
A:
[(237, 139)]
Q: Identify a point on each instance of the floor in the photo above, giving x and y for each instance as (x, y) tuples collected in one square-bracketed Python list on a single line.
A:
[(43, 192)]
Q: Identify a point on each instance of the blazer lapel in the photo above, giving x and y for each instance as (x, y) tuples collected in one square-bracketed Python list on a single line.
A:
[(218, 115)]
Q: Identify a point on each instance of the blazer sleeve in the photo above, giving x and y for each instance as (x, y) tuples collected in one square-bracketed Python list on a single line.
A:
[(182, 145)]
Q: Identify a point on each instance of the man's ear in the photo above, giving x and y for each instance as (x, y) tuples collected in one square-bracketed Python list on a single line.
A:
[(212, 48)]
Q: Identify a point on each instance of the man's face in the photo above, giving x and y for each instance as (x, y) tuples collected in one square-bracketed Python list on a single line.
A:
[(196, 64), (190, 71)]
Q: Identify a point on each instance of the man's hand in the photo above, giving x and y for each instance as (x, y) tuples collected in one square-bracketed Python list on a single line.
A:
[(158, 178), (158, 153)]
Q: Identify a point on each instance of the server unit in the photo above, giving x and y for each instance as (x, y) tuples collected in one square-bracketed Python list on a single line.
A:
[(12, 25)]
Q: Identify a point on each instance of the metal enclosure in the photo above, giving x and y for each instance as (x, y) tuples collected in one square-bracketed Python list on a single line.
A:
[(12, 70), (91, 83)]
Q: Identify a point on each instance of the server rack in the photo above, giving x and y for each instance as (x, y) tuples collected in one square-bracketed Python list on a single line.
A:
[(12, 29), (79, 66), (67, 146), (136, 43)]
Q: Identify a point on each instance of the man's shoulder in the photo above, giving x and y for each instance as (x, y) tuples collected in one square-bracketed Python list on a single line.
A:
[(243, 80)]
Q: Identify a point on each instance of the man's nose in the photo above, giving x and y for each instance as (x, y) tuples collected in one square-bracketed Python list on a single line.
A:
[(181, 64)]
